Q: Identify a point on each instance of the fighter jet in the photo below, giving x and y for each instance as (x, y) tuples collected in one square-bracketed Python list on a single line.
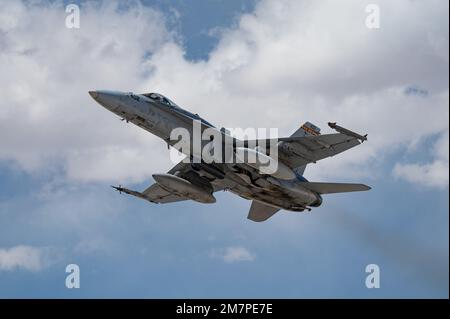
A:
[(194, 179)]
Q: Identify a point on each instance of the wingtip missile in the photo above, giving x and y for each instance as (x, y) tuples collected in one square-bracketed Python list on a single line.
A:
[(332, 124), (345, 131), (118, 188)]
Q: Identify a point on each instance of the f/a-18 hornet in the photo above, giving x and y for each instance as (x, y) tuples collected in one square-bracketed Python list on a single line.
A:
[(197, 179)]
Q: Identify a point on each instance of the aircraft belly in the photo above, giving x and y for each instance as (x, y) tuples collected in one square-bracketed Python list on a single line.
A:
[(269, 196), (272, 195)]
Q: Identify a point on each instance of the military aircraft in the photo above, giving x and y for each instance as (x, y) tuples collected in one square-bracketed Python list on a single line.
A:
[(197, 180)]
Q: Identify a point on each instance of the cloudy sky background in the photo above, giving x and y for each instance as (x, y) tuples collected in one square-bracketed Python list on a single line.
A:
[(237, 64)]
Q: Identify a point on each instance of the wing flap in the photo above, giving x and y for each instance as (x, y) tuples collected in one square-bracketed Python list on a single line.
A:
[(331, 188), (260, 212)]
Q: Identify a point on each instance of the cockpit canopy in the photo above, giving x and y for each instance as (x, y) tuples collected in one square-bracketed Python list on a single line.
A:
[(163, 100), (160, 98)]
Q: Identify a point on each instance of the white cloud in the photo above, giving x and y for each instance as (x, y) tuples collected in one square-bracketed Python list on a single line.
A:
[(233, 254), (47, 70), (25, 257), (430, 174), (433, 174), (283, 64)]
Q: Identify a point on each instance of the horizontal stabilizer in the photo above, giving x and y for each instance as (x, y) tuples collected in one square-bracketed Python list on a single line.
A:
[(260, 212), (330, 188)]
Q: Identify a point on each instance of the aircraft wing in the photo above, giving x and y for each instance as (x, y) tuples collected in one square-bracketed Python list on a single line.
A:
[(157, 194), (154, 194), (310, 149), (260, 212)]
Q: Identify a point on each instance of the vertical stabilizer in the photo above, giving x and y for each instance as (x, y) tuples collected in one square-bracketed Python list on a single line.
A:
[(307, 129)]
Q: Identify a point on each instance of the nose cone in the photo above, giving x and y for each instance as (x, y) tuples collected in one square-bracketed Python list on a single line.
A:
[(108, 99), (93, 94)]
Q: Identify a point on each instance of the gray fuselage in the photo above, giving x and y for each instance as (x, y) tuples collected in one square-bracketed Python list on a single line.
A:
[(159, 116)]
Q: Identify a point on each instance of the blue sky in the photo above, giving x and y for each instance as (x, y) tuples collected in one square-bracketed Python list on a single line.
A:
[(236, 63)]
